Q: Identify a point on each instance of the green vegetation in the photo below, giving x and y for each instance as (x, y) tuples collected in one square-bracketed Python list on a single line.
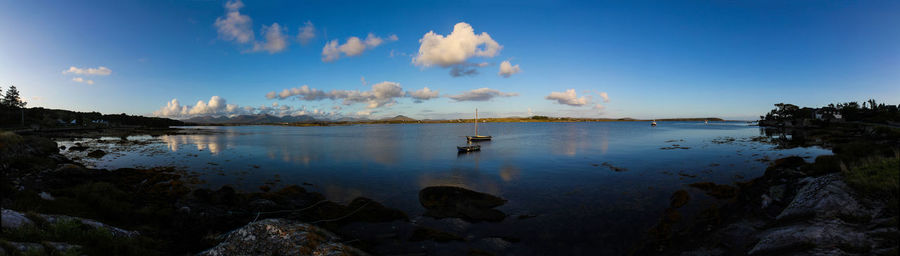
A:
[(879, 177), (94, 241), (870, 111)]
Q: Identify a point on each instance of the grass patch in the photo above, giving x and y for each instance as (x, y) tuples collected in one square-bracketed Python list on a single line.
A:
[(93, 241), (877, 178)]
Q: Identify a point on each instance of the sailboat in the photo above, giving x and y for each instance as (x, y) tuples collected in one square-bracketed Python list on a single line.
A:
[(477, 137), (653, 123)]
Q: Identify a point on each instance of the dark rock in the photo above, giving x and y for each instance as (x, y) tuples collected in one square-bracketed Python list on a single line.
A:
[(789, 162), (446, 201), (62, 147), (78, 147), (679, 199), (280, 237), (715, 190), (97, 153), (827, 196), (265, 188), (424, 233)]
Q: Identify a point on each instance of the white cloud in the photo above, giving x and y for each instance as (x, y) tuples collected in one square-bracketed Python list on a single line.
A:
[(481, 94), (422, 95), (599, 107), (82, 80), (382, 94), (352, 47), (235, 26), (275, 40), (217, 106), (455, 48), (507, 69), (307, 33), (99, 71), (569, 97), (604, 96)]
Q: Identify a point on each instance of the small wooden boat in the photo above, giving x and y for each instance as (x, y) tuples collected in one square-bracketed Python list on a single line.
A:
[(468, 148), (477, 137)]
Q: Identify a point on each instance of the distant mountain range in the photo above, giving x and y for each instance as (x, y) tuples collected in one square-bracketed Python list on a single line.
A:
[(250, 119)]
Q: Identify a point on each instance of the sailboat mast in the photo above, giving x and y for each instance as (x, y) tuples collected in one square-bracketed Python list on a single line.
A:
[(476, 122)]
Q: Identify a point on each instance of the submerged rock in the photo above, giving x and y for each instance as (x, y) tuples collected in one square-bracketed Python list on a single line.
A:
[(455, 202), (679, 199), (425, 233), (715, 190), (280, 237), (97, 153)]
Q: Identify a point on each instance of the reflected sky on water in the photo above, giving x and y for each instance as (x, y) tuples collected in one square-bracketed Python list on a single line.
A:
[(558, 171)]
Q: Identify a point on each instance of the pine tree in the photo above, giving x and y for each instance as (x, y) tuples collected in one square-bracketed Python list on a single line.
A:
[(12, 99)]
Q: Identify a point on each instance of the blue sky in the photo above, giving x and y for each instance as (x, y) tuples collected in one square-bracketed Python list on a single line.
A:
[(731, 59)]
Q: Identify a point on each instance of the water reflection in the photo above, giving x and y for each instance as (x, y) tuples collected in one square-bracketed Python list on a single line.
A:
[(215, 144)]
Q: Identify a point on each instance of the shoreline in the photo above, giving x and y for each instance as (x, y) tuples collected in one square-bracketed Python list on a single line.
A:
[(795, 207), (173, 202)]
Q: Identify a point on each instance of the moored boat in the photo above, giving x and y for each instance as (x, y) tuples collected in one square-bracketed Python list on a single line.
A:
[(468, 148), (477, 137)]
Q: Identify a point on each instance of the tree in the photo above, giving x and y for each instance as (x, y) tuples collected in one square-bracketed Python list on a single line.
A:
[(12, 99)]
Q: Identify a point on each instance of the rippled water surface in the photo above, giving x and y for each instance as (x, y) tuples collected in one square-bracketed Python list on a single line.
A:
[(593, 187)]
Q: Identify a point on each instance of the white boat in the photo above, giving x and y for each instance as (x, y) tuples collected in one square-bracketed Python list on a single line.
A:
[(653, 123)]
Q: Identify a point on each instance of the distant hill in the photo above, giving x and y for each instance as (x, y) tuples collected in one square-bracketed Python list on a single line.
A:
[(250, 119), (399, 118)]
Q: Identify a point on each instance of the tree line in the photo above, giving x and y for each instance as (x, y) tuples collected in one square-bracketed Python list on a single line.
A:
[(868, 111), (13, 114)]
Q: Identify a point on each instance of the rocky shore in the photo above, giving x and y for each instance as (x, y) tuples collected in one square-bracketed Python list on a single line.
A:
[(842, 204), (53, 205)]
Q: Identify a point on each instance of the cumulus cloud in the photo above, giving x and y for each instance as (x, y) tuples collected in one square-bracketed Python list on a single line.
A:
[(382, 94), (235, 26), (275, 40), (307, 33), (507, 69), (569, 97), (604, 96), (481, 94), (454, 49), (422, 95), (352, 47), (82, 80), (217, 106), (238, 27), (99, 71)]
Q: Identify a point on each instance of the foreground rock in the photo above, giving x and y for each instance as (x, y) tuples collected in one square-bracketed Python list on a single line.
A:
[(13, 220), (455, 202), (794, 209), (280, 237)]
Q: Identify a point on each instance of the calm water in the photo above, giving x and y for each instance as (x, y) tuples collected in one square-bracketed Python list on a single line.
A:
[(552, 170)]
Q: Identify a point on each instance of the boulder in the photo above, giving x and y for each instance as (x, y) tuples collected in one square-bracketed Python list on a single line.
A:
[(455, 202), (801, 237), (14, 219), (280, 237), (827, 196)]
